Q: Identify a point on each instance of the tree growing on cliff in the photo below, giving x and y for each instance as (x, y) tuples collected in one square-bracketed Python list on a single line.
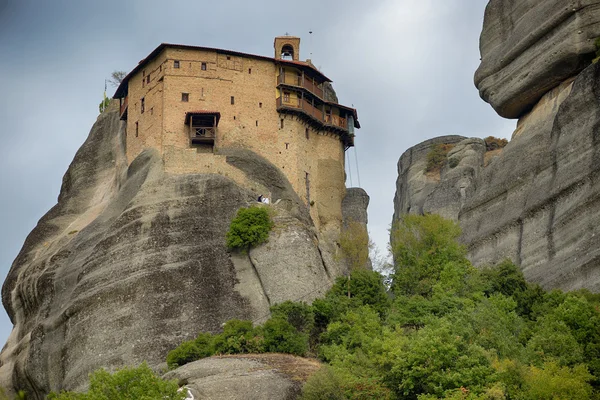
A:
[(117, 77), (250, 227)]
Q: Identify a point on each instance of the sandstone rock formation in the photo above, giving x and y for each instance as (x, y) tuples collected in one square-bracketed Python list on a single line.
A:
[(246, 377), (132, 261), (537, 202), (530, 46)]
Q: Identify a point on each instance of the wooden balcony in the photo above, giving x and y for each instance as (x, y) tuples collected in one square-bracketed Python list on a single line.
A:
[(203, 135), (123, 108), (335, 120), (315, 114), (300, 81)]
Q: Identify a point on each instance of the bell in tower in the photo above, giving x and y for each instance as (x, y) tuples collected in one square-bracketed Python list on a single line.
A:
[(287, 48)]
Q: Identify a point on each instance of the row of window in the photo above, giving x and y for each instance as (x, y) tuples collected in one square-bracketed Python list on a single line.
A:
[(177, 64)]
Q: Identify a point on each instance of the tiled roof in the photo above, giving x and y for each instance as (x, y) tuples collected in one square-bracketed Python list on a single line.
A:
[(122, 89)]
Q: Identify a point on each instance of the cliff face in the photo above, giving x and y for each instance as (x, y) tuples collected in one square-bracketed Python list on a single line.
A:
[(530, 46), (132, 261), (537, 201)]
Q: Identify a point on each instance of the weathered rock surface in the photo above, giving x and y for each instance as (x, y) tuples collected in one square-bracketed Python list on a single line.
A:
[(414, 185), (530, 46), (132, 261), (538, 201), (354, 206), (246, 377)]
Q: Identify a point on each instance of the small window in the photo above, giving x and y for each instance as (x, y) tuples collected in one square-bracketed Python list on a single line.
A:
[(249, 70), (281, 124), (148, 79), (256, 122), (232, 100), (143, 105), (234, 117), (137, 129), (203, 66), (306, 132), (175, 63), (144, 73), (228, 58), (259, 105), (287, 146), (185, 97), (286, 97), (160, 68)]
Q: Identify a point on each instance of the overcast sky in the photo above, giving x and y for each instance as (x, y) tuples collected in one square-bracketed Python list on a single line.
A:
[(406, 65)]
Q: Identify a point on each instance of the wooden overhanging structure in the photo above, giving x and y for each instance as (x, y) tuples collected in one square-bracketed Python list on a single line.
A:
[(203, 126)]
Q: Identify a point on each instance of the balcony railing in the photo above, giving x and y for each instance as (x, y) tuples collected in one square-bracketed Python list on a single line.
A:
[(203, 135), (314, 112), (336, 120), (123, 110), (298, 80)]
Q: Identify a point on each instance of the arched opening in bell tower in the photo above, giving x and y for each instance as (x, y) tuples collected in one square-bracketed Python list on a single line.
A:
[(287, 52)]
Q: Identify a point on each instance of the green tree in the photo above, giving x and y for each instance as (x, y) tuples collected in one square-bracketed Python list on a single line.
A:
[(556, 383), (250, 227), (422, 246)]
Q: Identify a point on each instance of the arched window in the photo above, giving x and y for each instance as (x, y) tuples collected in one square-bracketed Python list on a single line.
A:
[(287, 52)]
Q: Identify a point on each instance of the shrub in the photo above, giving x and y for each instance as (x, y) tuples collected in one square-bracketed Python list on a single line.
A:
[(299, 315), (250, 227), (494, 143), (437, 157), (281, 337), (238, 337), (202, 346), (126, 384), (323, 385)]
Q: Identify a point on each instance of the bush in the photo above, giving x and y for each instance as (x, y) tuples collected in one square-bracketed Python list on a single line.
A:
[(250, 227), (238, 337), (281, 337), (299, 315), (437, 157), (323, 385), (202, 346), (125, 384)]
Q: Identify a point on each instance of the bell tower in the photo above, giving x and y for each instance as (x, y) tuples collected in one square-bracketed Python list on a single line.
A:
[(287, 48)]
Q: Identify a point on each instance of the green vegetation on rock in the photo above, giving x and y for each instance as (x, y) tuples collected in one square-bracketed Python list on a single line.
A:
[(597, 44), (438, 157), (250, 227), (494, 143), (444, 330), (125, 384)]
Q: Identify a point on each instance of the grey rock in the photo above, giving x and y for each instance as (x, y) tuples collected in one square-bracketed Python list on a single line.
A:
[(530, 46), (414, 185), (329, 93), (538, 202), (132, 261), (354, 206), (251, 377)]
